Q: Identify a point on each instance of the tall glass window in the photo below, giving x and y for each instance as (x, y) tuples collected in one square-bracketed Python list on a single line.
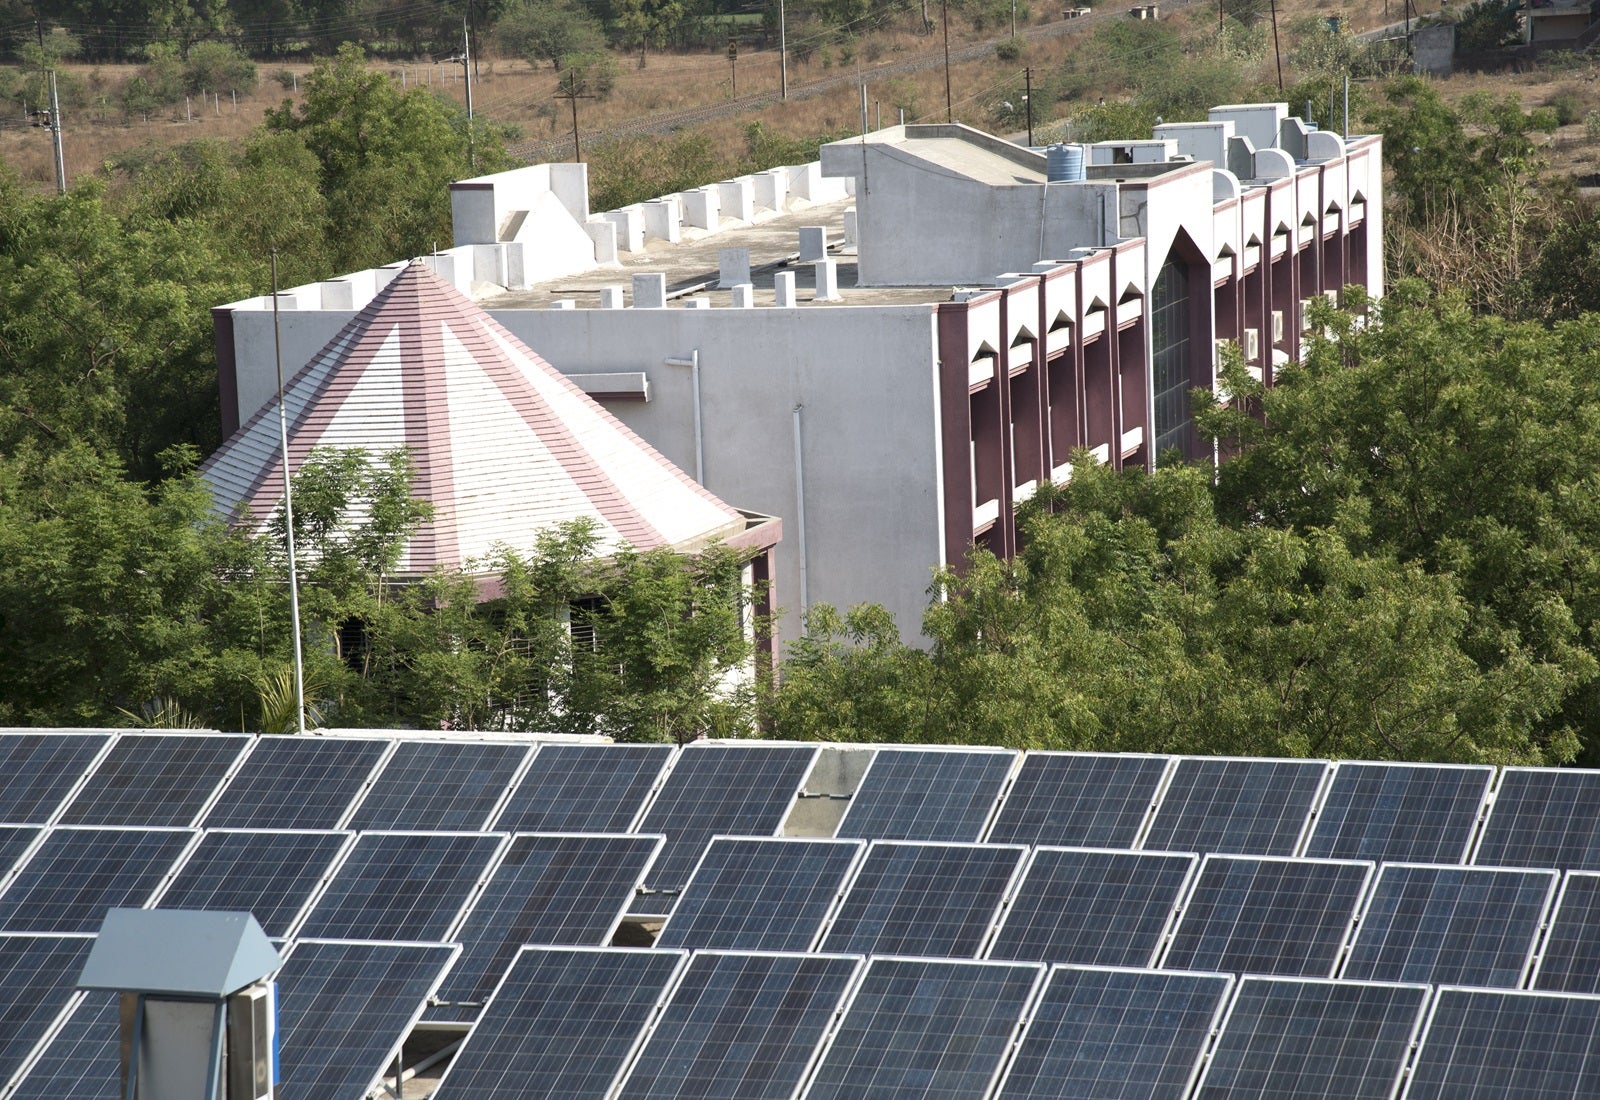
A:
[(1169, 332)]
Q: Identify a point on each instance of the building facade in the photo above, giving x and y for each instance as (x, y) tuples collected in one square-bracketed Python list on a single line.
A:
[(890, 349)]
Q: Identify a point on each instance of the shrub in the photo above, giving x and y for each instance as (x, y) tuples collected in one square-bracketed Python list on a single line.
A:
[(218, 67), (1009, 50), (1567, 104)]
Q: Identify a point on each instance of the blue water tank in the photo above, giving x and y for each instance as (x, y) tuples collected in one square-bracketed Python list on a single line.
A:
[(1064, 163)]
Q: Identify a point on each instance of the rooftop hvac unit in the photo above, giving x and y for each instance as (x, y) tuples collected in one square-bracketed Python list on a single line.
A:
[(1277, 326), (1252, 345), (1333, 297)]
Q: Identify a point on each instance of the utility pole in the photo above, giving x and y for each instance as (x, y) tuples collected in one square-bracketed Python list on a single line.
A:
[(288, 514), (466, 73), (1027, 99), (55, 136), (783, 56), (944, 19), (1276, 51), (1013, 18), (571, 95)]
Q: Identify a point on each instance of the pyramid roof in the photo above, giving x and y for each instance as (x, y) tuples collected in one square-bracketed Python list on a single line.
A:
[(503, 444)]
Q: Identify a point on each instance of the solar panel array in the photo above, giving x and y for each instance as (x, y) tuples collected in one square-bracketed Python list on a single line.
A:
[(961, 923)]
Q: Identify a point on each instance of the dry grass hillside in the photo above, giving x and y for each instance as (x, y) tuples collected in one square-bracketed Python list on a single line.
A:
[(512, 92)]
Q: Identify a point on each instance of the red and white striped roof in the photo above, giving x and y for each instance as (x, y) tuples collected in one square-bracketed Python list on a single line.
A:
[(503, 444)]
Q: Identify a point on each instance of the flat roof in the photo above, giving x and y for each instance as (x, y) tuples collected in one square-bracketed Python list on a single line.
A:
[(692, 267)]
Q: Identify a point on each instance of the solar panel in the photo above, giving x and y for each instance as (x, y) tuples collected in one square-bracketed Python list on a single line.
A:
[(345, 1008), (584, 789), (1400, 813), (925, 1028), (548, 889), (1570, 961), (38, 975), (1450, 925), (270, 874), (923, 899), (1250, 807), (740, 1027), (1288, 1039), (1482, 1044), (401, 886), (296, 783), (927, 794), (14, 840), (1253, 915), (1116, 1035), (81, 1062), (1088, 800), (728, 790), (76, 874), (1543, 817), (562, 1023), (440, 786), (761, 894), (152, 779), (38, 770), (1091, 907)]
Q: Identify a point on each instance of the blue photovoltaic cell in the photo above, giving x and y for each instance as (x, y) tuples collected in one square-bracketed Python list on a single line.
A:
[(719, 790), (1250, 807), (1116, 1035), (1544, 817), (584, 789), (155, 779), (568, 890), (925, 1029), (82, 1061), (401, 886), (1267, 916), (271, 875), (38, 769), (14, 840), (923, 899), (345, 1008), (760, 895), (927, 794), (1400, 813), (562, 1024), (1502, 1045), (1094, 908), (38, 975), (1570, 961), (1450, 925), (740, 1027), (441, 787), (1285, 1040), (1084, 800), (296, 783), (77, 874)]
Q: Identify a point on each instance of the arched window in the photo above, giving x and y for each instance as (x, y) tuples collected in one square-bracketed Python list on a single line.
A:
[(1169, 334)]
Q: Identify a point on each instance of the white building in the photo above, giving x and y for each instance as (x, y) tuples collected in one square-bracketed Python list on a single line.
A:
[(891, 348)]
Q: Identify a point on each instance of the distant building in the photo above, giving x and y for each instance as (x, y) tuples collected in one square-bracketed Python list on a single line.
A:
[(892, 348)]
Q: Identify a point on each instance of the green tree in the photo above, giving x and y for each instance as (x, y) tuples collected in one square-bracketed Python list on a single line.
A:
[(386, 156), (549, 30), (1459, 442)]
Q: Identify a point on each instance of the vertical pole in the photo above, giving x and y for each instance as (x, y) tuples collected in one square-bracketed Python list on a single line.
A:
[(863, 107), (288, 513), (1027, 76), (783, 55), (1013, 18), (800, 510), (1277, 51), (699, 434), (944, 19), (466, 69), (55, 137), (1347, 105)]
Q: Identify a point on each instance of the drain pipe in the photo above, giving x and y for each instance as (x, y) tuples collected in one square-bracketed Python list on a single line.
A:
[(693, 363), (800, 509)]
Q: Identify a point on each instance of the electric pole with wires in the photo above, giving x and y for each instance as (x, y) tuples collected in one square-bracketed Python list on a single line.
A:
[(572, 95)]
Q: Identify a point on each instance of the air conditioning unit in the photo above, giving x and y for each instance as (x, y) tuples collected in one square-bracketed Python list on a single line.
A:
[(1277, 326), (1333, 297), (1252, 345), (1305, 314)]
